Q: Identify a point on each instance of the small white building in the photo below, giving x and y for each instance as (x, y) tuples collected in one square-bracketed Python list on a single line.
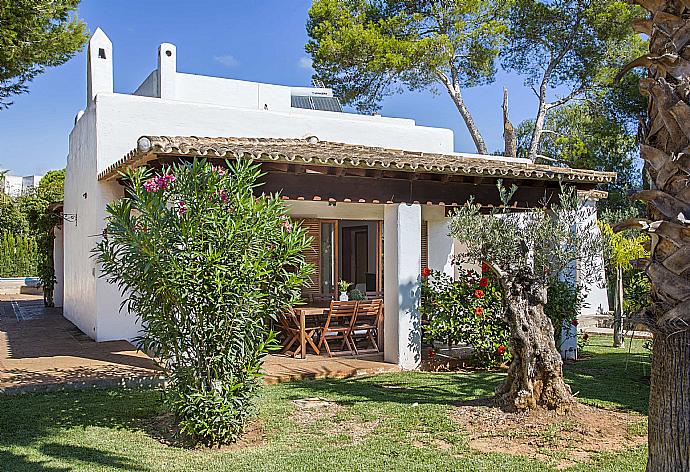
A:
[(363, 185), (16, 186)]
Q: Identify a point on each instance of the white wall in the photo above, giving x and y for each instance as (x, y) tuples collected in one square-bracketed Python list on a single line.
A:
[(79, 304), (440, 244), (110, 128), (59, 265)]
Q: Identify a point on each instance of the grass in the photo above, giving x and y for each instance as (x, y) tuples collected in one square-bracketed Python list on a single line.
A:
[(387, 422)]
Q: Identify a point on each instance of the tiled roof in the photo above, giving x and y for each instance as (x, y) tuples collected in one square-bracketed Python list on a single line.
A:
[(311, 151)]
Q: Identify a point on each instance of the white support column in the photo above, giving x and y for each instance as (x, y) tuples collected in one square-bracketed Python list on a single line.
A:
[(402, 251)]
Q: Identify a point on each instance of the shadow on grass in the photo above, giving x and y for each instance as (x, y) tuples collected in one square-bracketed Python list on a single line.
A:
[(67, 453), (606, 377), (421, 388), (31, 419), (612, 379)]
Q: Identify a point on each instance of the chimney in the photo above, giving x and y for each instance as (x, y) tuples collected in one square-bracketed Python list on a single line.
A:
[(167, 68), (99, 69)]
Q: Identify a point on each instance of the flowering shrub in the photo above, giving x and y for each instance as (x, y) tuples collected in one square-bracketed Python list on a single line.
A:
[(465, 311), (205, 264)]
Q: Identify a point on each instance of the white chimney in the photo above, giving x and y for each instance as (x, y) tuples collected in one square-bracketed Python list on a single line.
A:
[(167, 68), (99, 69)]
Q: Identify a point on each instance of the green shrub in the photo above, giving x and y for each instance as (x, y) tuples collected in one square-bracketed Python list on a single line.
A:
[(206, 265), (564, 302), (18, 255), (466, 311)]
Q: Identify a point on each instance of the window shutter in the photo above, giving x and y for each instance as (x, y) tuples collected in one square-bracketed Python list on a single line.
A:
[(313, 254)]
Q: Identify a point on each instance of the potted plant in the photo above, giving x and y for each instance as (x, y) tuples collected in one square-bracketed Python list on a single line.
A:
[(343, 285)]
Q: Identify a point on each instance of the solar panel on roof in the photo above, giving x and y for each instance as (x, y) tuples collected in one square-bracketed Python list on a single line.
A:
[(316, 103), (301, 102), (326, 103)]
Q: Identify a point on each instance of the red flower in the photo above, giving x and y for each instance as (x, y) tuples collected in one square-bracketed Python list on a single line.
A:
[(574, 322), (501, 350), (479, 293), (484, 282), (485, 267), (479, 311), (426, 272), (431, 353)]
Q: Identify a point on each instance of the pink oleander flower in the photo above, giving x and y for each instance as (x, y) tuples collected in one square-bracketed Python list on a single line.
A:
[(218, 169), (164, 180), (151, 185), (181, 208)]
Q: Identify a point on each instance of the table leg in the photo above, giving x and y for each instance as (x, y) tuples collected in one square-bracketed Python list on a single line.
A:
[(303, 334)]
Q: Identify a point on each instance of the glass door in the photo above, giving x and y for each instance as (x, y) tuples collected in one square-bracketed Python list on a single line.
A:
[(329, 256)]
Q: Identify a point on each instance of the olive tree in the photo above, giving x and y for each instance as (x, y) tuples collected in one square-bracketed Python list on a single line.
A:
[(527, 250), (205, 264)]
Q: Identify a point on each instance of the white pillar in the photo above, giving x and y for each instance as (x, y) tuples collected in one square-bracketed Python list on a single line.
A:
[(402, 251), (167, 69)]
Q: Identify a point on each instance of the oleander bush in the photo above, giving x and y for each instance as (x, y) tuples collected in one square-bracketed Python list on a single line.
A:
[(206, 265), (465, 311)]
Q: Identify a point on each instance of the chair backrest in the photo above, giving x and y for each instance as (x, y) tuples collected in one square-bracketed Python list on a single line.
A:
[(374, 295), (341, 313), (368, 312)]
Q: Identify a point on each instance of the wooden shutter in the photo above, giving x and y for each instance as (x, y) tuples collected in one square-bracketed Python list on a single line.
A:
[(313, 254), (425, 244)]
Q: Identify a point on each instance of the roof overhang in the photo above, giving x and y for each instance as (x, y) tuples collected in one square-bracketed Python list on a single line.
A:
[(312, 151), (313, 170)]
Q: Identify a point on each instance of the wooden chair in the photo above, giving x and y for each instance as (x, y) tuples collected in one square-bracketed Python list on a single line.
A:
[(373, 295), (338, 325), (289, 323), (366, 323)]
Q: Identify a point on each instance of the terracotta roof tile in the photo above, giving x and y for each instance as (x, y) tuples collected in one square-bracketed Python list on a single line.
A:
[(312, 151)]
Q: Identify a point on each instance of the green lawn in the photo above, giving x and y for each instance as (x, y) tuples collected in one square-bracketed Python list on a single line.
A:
[(387, 422)]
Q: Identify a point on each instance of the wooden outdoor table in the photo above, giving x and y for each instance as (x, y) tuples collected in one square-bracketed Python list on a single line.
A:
[(303, 312)]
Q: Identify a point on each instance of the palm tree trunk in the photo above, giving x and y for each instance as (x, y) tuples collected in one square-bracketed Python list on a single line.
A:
[(666, 139)]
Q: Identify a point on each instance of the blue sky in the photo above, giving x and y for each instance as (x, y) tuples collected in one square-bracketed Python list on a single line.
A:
[(258, 40)]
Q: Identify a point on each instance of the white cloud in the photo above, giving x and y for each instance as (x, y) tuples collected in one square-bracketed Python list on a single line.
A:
[(227, 60), (304, 62)]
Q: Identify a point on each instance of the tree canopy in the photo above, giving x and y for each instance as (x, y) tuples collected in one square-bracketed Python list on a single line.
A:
[(567, 48), (368, 49), (34, 35)]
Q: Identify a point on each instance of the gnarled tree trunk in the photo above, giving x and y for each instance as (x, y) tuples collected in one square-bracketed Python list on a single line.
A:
[(665, 151), (535, 376)]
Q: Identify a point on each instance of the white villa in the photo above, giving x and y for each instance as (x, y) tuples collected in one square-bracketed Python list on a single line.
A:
[(363, 185)]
